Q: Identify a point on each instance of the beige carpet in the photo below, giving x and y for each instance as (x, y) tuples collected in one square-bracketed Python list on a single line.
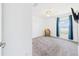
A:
[(50, 46)]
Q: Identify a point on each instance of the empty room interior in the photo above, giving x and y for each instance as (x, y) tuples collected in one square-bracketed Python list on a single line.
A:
[(39, 29), (55, 29)]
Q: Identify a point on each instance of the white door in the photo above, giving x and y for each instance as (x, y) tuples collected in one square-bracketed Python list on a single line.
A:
[(0, 29), (17, 29)]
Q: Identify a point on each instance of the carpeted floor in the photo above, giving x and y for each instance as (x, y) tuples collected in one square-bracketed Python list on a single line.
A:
[(51, 46)]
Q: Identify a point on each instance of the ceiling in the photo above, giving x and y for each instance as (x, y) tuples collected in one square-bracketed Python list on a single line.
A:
[(54, 9)]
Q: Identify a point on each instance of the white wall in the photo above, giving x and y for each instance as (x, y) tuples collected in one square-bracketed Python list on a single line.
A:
[(17, 29), (37, 26), (39, 23), (57, 10)]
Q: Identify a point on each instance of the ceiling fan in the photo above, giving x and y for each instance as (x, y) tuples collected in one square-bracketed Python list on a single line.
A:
[(75, 16)]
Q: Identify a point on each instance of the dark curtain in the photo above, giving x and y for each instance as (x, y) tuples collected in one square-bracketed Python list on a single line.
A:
[(70, 36), (57, 27)]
